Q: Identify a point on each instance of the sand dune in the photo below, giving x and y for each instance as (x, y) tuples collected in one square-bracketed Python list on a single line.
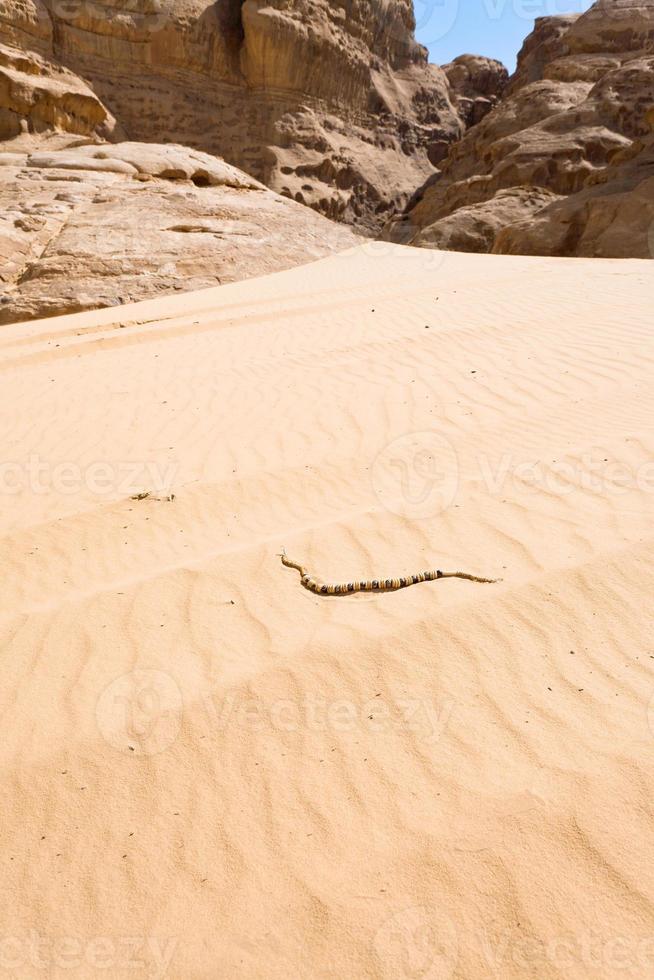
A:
[(210, 772)]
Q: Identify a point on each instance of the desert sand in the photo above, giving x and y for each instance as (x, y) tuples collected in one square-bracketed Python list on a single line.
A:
[(208, 771)]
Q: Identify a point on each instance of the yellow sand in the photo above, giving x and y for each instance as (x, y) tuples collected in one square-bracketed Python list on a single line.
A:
[(208, 771)]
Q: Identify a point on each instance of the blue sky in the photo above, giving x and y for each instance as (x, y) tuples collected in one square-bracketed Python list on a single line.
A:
[(491, 27)]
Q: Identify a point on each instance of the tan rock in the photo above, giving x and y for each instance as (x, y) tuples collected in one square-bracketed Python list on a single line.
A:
[(488, 160), (475, 228), (169, 162), (613, 217), (85, 226), (572, 131), (26, 24), (477, 84), (542, 48), (331, 104), (37, 95)]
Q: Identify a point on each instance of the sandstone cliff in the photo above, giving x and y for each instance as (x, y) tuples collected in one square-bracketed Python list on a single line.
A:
[(85, 222), (330, 103), (564, 165)]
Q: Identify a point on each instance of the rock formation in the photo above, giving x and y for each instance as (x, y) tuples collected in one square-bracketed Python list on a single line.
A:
[(477, 84), (85, 225), (330, 103), (564, 164), (38, 96)]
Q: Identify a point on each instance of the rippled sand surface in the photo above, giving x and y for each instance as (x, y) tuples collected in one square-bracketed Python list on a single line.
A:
[(208, 771)]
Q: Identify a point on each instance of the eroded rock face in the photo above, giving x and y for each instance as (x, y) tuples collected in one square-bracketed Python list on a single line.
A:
[(330, 102), (38, 96), (477, 85), (612, 217), (89, 219), (26, 24), (90, 225), (564, 164)]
